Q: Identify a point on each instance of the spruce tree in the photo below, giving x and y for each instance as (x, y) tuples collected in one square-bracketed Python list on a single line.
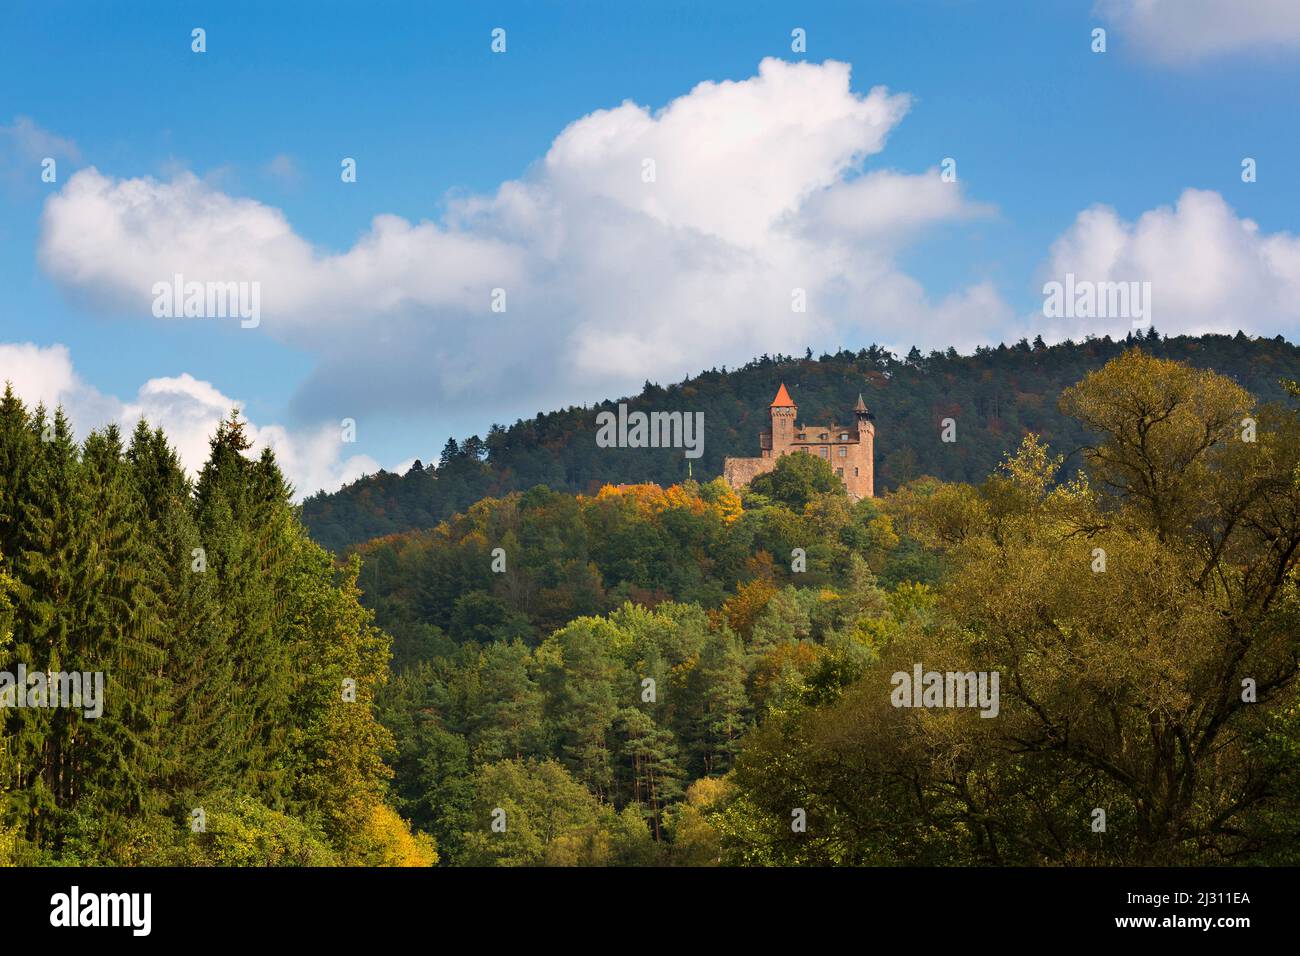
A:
[(243, 517), (49, 559), (199, 752), (117, 630)]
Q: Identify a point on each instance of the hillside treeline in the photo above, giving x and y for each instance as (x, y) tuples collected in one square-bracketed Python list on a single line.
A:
[(724, 689), (995, 396)]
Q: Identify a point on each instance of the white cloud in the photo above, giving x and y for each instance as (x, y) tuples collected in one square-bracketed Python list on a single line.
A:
[(887, 207), (1177, 30), (1210, 270), (45, 376), (187, 409), (24, 146), (759, 189)]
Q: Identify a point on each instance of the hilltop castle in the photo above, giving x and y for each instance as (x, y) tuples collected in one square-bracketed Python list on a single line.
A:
[(850, 450)]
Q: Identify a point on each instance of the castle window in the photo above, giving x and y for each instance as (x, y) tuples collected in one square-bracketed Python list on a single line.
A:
[(844, 436), (825, 452), (855, 473), (824, 436), (840, 472), (844, 452), (803, 437)]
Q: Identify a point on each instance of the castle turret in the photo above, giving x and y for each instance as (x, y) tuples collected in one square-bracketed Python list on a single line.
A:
[(863, 482), (783, 411)]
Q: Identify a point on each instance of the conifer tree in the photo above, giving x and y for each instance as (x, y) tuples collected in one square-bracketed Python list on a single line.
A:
[(117, 630), (335, 745), (717, 704), (199, 751), (242, 520), (48, 561), (506, 705), (650, 759), (19, 450)]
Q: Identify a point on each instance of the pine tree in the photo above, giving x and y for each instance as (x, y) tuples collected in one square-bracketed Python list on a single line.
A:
[(8, 829), (199, 752), (716, 690), (650, 755), (49, 563), (506, 707), (19, 453), (244, 518), (579, 681), (117, 758)]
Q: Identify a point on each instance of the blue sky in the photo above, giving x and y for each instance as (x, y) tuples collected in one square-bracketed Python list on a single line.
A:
[(1042, 129)]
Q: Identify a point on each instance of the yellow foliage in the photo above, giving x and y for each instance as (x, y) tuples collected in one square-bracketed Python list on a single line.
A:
[(696, 842), (8, 846), (387, 840), (727, 505), (650, 500), (706, 791), (647, 499)]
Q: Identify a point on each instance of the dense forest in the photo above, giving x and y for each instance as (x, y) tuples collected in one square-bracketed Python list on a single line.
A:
[(686, 676), (598, 685), (995, 395), (238, 668), (678, 673)]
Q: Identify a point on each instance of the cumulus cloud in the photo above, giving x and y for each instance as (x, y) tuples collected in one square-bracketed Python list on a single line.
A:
[(1210, 270), (187, 409), (45, 376), (644, 244), (1178, 30)]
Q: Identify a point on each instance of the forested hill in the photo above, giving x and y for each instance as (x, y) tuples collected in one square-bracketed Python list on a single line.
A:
[(995, 396)]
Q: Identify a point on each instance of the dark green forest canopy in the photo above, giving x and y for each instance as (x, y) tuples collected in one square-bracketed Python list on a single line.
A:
[(996, 396), (663, 674)]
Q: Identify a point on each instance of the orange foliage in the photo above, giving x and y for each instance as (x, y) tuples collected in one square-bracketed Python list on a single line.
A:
[(799, 657), (650, 499), (743, 608)]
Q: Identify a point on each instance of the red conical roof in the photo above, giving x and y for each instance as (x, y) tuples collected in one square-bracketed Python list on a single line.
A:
[(783, 399)]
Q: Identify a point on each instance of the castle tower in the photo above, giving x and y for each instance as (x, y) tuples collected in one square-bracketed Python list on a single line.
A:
[(783, 411), (863, 483)]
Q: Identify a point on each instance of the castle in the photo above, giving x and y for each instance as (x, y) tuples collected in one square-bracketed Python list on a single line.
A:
[(849, 450)]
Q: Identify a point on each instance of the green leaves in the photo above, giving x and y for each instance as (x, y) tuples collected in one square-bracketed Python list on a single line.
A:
[(796, 480), (221, 676)]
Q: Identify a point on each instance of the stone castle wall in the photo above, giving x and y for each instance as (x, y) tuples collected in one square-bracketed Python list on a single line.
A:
[(738, 472), (862, 457)]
